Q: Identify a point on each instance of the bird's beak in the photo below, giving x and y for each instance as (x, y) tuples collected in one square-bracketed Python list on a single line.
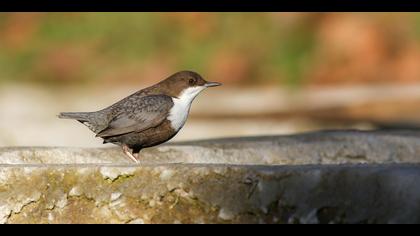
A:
[(212, 84)]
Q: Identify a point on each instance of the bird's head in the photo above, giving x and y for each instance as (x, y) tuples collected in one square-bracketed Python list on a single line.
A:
[(186, 84)]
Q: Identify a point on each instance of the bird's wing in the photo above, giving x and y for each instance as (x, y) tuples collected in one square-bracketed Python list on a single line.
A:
[(138, 115)]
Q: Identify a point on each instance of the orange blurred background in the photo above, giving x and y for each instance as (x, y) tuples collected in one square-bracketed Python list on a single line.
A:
[(236, 48)]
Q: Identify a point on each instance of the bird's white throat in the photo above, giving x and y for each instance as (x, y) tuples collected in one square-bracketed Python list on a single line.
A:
[(179, 112)]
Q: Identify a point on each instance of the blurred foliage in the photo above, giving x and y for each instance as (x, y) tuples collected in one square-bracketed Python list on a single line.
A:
[(235, 48)]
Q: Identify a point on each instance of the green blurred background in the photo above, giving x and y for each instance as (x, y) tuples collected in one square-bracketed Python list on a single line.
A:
[(236, 48), (324, 67)]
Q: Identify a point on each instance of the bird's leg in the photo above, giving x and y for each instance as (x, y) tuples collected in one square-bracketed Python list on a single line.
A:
[(136, 152), (127, 152)]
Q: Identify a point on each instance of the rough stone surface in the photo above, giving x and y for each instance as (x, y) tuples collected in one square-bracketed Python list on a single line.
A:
[(308, 178), (195, 193)]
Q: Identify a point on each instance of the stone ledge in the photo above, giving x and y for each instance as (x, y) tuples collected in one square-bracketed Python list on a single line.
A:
[(197, 193), (309, 178), (327, 147)]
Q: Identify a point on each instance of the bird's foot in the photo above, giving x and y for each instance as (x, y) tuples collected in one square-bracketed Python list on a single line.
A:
[(136, 155), (133, 157)]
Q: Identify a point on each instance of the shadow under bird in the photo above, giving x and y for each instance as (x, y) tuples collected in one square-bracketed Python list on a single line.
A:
[(148, 117)]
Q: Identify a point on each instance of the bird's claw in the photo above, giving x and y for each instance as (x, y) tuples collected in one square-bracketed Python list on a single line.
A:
[(133, 157)]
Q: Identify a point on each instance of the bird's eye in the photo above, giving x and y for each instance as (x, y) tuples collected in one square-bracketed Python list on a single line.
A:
[(191, 81)]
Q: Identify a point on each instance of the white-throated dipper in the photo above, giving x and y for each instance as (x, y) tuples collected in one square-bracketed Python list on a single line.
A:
[(148, 117)]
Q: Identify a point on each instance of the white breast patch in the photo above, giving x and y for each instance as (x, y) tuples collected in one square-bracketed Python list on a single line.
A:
[(179, 112)]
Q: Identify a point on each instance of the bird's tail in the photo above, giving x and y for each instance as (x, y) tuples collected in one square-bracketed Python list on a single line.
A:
[(84, 118), (81, 116)]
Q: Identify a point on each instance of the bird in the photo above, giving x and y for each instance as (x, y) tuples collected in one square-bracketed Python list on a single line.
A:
[(148, 117)]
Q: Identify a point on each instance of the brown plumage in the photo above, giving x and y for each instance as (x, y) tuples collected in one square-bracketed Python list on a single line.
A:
[(148, 117)]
